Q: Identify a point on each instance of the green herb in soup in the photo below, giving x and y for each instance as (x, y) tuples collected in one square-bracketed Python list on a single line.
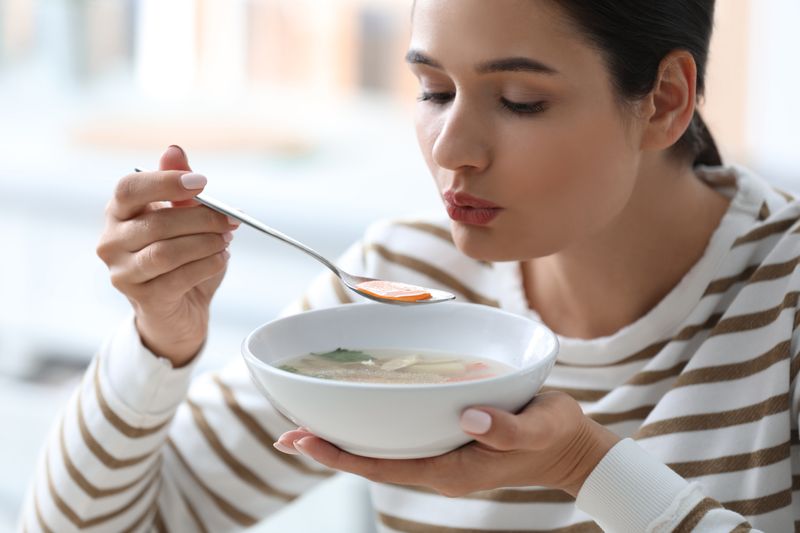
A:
[(393, 366)]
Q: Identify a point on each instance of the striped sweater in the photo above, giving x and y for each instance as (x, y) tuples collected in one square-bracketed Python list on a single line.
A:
[(703, 384)]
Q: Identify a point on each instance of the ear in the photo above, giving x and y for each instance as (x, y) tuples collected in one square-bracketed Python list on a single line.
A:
[(670, 105)]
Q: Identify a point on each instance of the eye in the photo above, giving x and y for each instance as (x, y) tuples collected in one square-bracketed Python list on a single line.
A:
[(524, 108), (436, 98)]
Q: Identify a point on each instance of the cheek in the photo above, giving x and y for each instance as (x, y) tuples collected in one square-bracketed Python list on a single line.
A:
[(561, 182), (427, 132)]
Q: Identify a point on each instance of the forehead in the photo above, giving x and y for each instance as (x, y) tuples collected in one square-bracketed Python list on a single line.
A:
[(480, 24)]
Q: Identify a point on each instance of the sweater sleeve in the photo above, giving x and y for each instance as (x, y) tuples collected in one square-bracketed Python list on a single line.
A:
[(141, 446), (631, 491)]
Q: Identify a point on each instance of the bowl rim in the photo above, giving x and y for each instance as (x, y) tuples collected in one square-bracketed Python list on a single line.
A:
[(251, 358)]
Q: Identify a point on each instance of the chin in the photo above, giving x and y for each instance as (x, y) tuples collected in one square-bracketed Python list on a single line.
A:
[(484, 244)]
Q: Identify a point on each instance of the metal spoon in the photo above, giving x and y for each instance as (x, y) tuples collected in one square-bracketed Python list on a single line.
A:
[(349, 280)]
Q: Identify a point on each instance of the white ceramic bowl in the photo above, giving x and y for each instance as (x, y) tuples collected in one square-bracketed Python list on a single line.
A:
[(398, 421)]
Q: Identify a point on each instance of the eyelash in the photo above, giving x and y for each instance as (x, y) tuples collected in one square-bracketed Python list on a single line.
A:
[(514, 107)]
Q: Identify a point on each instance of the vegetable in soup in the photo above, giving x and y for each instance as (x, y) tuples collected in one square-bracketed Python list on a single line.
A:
[(393, 366)]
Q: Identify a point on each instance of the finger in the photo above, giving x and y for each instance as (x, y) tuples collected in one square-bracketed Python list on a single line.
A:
[(401, 471), (162, 224), (165, 256), (136, 191), (183, 279), (174, 158), (535, 427)]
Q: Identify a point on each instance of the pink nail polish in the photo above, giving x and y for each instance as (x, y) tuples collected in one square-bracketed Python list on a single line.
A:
[(227, 236), (475, 421), (193, 181), (233, 222), (285, 449), (298, 445)]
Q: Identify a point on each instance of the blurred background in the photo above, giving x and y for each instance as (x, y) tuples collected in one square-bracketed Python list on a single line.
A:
[(298, 111)]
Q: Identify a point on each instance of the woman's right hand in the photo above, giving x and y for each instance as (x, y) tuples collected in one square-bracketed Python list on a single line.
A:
[(167, 254)]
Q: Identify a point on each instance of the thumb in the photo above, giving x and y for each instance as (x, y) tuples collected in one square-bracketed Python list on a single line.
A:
[(174, 158)]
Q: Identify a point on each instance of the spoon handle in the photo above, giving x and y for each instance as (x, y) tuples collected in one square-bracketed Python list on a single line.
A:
[(225, 209)]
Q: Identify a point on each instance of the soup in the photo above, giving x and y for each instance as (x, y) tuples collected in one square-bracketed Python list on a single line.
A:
[(393, 366)]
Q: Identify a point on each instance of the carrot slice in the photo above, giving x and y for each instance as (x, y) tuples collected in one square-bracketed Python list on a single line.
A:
[(393, 290)]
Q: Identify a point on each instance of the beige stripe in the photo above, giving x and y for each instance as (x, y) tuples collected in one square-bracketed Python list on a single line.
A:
[(506, 495), (229, 510), (651, 351), (744, 527), (410, 526), (760, 319), (260, 434), (755, 274), (765, 504), (73, 517), (764, 231), (645, 353), (98, 451), (788, 197), (436, 231), (305, 304), (763, 213), (721, 285), (695, 515), (734, 417), (580, 395), (90, 489), (38, 511), (159, 523), (640, 413), (714, 374), (340, 290), (147, 512), (733, 463), (242, 472), (648, 377), (112, 417), (193, 513), (440, 276)]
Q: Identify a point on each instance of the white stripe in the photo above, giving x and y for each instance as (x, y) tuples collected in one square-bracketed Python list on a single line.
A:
[(476, 514)]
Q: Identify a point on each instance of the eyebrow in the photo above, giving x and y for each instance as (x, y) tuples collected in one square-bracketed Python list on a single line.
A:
[(507, 64)]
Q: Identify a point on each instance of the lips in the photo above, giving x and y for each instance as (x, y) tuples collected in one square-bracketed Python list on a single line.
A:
[(463, 207), (462, 199)]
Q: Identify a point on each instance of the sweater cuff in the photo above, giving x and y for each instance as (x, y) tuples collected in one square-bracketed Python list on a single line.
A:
[(145, 383), (629, 489)]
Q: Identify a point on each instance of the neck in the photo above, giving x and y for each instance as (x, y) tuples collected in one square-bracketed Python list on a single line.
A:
[(607, 281)]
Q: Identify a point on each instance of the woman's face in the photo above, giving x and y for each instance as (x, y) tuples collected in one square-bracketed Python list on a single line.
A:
[(517, 110)]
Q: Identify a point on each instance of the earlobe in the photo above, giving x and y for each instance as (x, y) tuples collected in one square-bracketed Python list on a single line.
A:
[(671, 101)]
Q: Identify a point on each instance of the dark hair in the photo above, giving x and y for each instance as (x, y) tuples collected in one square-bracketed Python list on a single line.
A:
[(634, 36)]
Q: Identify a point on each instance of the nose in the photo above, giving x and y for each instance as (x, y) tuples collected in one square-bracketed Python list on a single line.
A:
[(462, 142)]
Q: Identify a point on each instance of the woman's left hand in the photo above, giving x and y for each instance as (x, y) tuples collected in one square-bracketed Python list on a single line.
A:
[(550, 443)]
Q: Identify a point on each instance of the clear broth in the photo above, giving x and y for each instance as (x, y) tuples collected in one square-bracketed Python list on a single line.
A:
[(393, 366)]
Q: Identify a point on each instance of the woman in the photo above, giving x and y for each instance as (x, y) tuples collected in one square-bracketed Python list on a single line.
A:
[(583, 190)]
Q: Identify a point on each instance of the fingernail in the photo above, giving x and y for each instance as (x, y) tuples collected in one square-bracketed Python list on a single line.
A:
[(285, 449), (193, 181), (475, 421), (233, 222), (298, 445), (227, 236), (178, 147), (226, 254)]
